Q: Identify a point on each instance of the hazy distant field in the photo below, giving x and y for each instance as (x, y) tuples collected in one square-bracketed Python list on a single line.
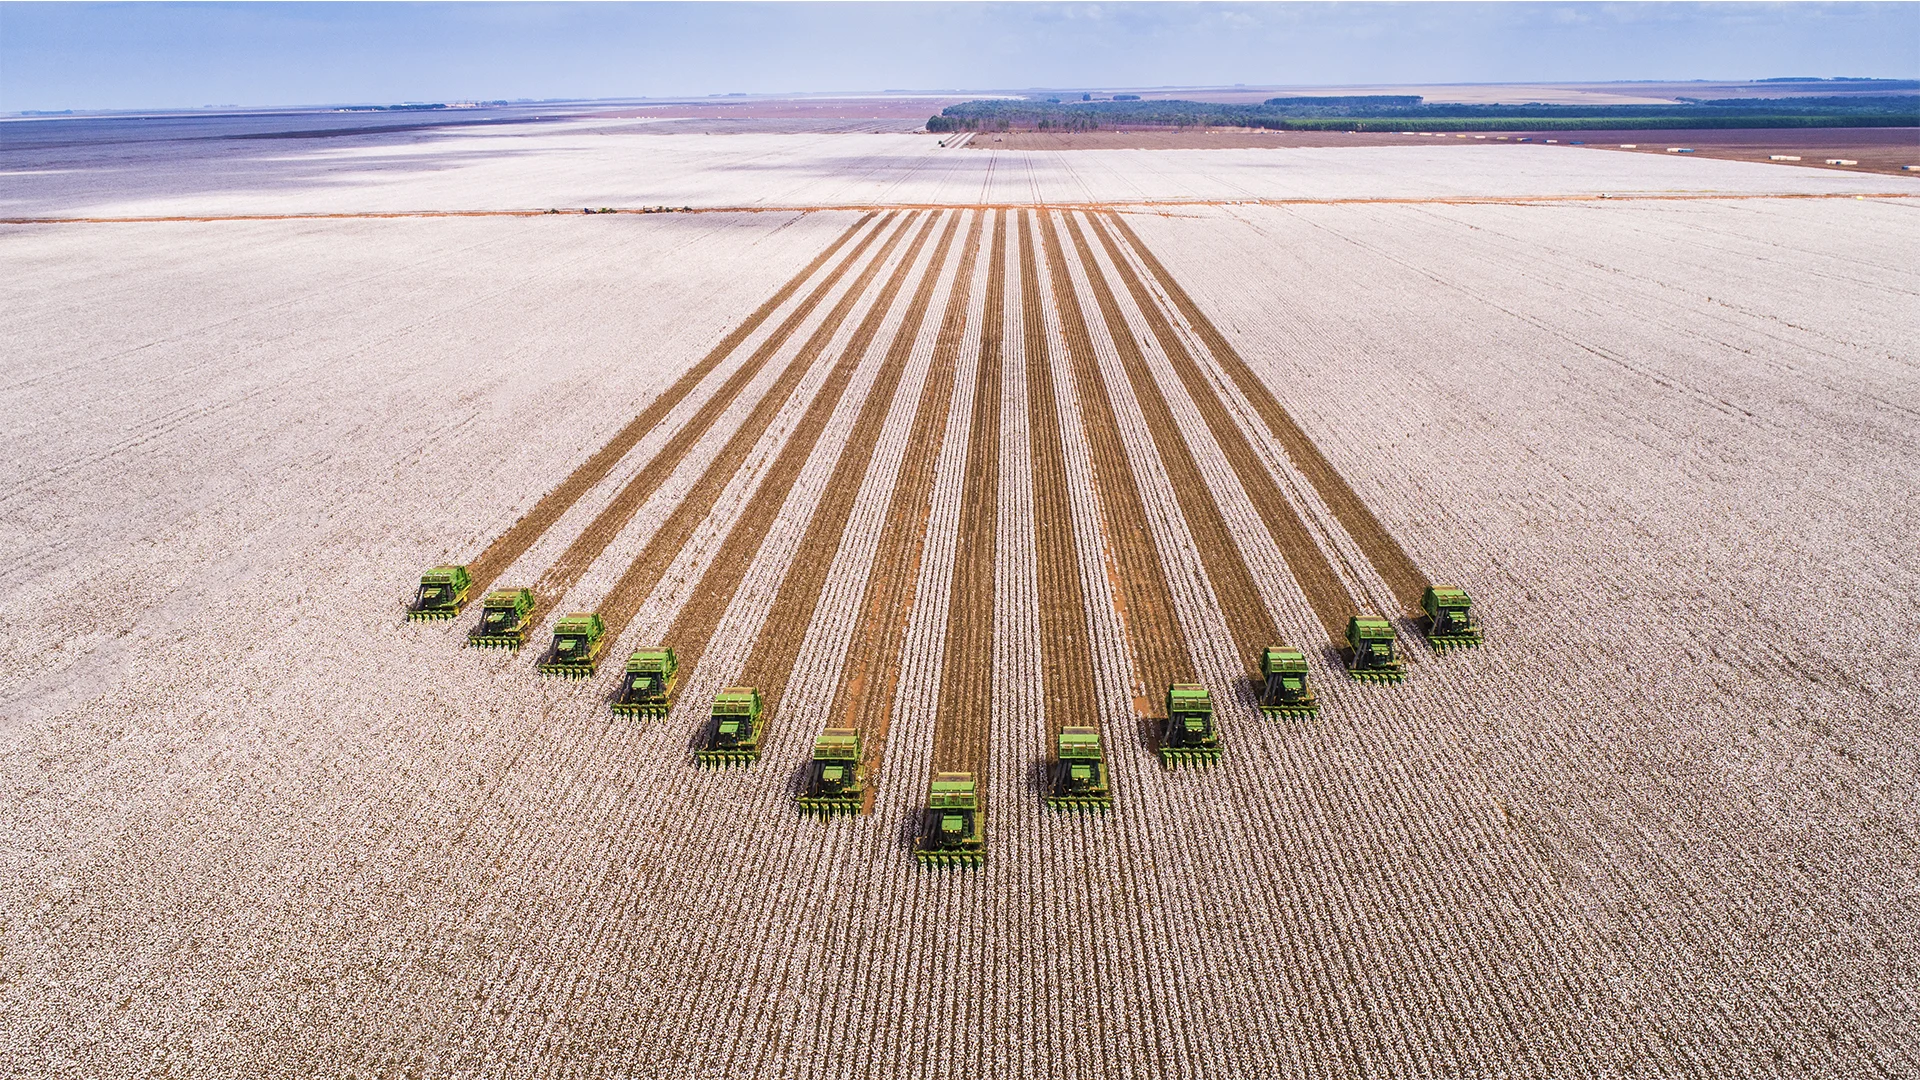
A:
[(1661, 824)]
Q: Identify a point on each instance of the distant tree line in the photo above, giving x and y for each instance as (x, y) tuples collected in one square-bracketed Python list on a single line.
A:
[(1385, 112)]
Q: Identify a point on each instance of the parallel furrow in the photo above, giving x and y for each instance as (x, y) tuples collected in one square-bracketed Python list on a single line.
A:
[(1379, 546), (580, 555)]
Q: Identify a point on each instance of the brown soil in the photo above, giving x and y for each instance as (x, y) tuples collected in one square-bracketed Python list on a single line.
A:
[(1379, 546), (778, 643), (962, 722), (566, 571), (646, 570), (1878, 150), (1154, 636), (1252, 625), (513, 543), (865, 698), (1065, 658)]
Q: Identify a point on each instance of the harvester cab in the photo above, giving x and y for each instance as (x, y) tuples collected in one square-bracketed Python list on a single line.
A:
[(505, 617), (1079, 771), (442, 593), (1189, 738), (951, 835), (576, 645), (835, 783), (1287, 692), (733, 735), (1372, 655), (1450, 623), (647, 686)]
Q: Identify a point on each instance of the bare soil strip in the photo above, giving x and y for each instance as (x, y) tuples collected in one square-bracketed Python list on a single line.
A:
[(1312, 570), (1154, 636), (865, 698), (510, 545), (646, 570), (1379, 546), (567, 570), (1066, 659), (962, 723), (778, 643)]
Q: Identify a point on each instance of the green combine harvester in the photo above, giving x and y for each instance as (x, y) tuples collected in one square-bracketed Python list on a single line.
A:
[(647, 688), (442, 593), (952, 834), (1371, 652), (835, 782), (1287, 692), (1450, 623), (1189, 738), (505, 617), (1080, 772), (733, 735), (576, 645)]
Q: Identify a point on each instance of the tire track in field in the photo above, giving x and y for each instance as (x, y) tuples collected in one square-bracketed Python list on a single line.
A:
[(521, 535), (711, 596), (623, 601), (566, 571), (777, 645), (1066, 659), (864, 700), (1332, 604), (1155, 638), (1248, 621), (964, 714), (1389, 559)]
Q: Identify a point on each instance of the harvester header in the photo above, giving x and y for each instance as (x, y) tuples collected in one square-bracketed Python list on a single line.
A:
[(1449, 621), (1287, 691), (1080, 780), (951, 835), (836, 784), (505, 617), (1373, 654), (1189, 737), (576, 646), (442, 593), (733, 733), (646, 688)]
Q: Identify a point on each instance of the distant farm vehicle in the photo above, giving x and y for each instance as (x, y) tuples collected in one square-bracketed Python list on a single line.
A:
[(733, 734), (1372, 653), (835, 783), (647, 686), (576, 646), (1080, 771), (442, 593), (951, 833), (1287, 691), (1189, 737), (1450, 623), (505, 617)]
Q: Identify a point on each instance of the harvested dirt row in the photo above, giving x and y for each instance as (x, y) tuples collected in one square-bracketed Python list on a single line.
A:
[(1066, 660), (1332, 604), (520, 536), (1248, 620), (778, 644), (1382, 550), (1154, 635), (574, 562), (703, 609), (965, 712), (646, 570), (865, 698)]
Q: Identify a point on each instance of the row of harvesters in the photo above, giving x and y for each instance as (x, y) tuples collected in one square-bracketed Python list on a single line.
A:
[(836, 781)]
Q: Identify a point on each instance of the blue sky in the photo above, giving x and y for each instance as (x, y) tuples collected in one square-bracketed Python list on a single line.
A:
[(160, 55)]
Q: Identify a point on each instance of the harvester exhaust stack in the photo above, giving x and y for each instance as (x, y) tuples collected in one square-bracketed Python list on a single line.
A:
[(576, 646), (505, 617), (733, 735), (1450, 623), (951, 835), (442, 593), (1189, 737), (835, 782), (1372, 655), (1080, 772), (1287, 692), (647, 688)]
